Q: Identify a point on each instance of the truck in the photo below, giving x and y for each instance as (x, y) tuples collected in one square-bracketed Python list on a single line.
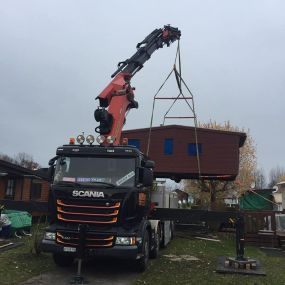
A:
[(107, 187)]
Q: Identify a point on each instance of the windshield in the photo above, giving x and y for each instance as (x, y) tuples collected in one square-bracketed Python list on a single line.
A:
[(100, 170)]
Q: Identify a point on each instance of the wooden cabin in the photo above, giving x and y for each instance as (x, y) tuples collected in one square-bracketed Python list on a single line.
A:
[(175, 150), (23, 189)]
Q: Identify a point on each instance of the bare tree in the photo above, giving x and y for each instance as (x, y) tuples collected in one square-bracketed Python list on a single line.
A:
[(26, 160), (260, 179), (276, 174), (22, 159), (6, 157)]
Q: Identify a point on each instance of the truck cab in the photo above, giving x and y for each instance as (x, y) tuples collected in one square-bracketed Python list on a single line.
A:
[(106, 188)]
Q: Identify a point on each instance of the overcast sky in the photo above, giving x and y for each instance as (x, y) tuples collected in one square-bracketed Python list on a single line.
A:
[(57, 56)]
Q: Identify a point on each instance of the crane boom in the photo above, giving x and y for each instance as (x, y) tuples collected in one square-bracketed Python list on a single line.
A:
[(118, 96)]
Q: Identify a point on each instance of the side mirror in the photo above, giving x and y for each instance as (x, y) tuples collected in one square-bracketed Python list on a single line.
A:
[(50, 173), (146, 176), (149, 164), (52, 161)]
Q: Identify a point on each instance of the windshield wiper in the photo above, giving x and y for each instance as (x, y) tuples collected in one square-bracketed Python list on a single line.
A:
[(68, 183), (105, 183)]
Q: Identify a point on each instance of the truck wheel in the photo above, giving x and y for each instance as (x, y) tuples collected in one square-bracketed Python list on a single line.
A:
[(62, 260), (172, 230), (141, 264), (162, 238), (154, 252)]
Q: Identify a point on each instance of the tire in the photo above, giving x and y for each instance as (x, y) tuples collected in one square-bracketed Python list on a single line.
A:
[(154, 252), (63, 260), (141, 264), (172, 232), (162, 243)]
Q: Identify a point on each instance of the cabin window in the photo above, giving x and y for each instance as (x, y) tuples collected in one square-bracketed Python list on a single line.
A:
[(135, 142), (192, 149), (36, 189), (168, 146), (10, 189)]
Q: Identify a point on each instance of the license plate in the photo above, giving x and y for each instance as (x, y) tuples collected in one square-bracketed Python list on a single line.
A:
[(69, 249)]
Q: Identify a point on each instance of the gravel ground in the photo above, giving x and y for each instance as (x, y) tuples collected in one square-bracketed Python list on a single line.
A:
[(96, 272)]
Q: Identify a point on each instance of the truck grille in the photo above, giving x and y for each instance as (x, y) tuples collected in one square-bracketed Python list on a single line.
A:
[(92, 239), (100, 212)]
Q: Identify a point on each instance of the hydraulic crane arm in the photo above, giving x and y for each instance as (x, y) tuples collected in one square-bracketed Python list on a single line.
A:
[(118, 96), (152, 42)]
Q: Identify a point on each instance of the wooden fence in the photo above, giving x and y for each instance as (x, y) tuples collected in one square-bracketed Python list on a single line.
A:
[(260, 228)]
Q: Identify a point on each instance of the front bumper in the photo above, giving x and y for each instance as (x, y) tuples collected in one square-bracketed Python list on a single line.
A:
[(117, 251)]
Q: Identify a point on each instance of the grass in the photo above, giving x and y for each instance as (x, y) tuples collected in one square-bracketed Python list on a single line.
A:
[(21, 263), (164, 271)]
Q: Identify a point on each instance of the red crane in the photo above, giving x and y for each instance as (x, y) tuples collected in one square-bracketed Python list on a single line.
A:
[(118, 97)]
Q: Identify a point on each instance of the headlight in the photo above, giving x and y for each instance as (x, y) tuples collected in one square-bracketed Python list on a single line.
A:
[(111, 139), (100, 139), (125, 240), (90, 139), (80, 139), (49, 236)]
